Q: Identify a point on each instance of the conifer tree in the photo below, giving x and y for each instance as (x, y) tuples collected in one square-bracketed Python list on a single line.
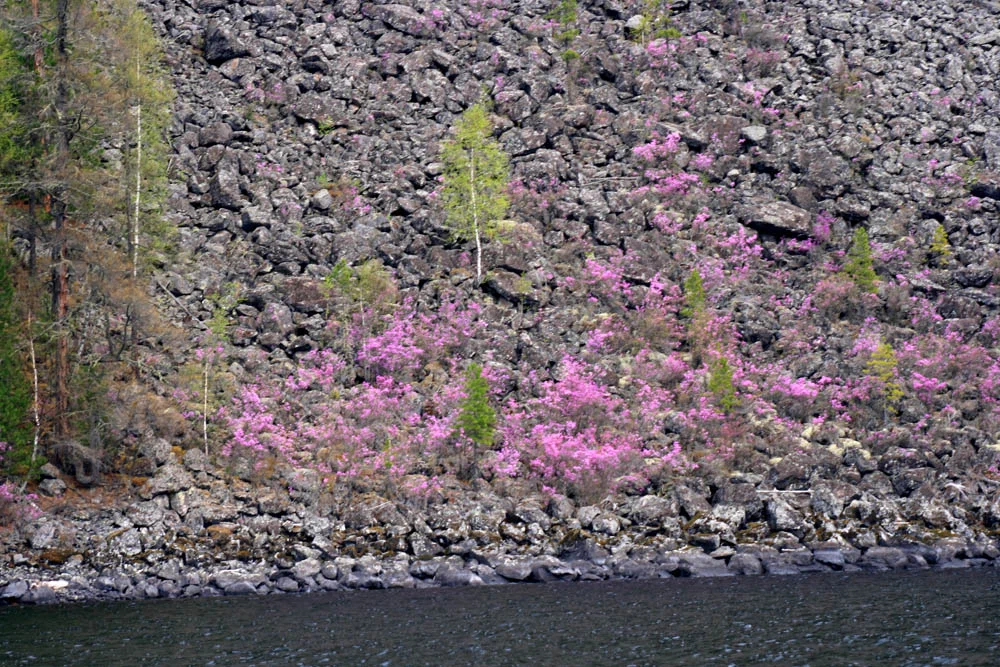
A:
[(883, 366), (475, 181), (720, 384), (477, 418), (72, 73), (859, 262), (694, 295), (940, 246)]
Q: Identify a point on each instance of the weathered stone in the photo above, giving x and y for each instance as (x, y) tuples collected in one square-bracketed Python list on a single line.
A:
[(883, 558), (700, 564), (652, 510), (304, 569), (222, 44), (169, 479), (782, 517), (84, 463), (242, 587), (779, 218)]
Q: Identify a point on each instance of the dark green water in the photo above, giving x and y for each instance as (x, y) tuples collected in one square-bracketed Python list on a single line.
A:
[(909, 618)]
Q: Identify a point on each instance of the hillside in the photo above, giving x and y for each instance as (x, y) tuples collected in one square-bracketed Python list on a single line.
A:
[(744, 298)]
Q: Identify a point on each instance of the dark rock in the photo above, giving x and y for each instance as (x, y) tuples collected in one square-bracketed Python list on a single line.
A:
[(222, 44), (216, 133), (970, 276), (692, 499), (778, 218), (742, 495), (585, 549)]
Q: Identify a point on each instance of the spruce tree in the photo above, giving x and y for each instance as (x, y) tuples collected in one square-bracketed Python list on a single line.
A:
[(859, 262), (477, 418), (720, 384), (475, 181)]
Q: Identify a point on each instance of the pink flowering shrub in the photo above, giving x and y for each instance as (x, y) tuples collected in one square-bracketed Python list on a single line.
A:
[(576, 436), (411, 338)]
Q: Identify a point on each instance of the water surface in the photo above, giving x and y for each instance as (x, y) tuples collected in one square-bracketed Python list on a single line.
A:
[(906, 618)]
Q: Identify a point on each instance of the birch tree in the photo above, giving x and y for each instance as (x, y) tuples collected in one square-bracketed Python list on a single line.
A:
[(474, 191)]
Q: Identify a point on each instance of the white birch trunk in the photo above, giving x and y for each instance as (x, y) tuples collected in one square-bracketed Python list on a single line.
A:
[(475, 217), (138, 187), (204, 404)]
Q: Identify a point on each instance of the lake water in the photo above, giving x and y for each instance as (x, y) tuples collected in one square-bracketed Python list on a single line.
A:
[(906, 618)]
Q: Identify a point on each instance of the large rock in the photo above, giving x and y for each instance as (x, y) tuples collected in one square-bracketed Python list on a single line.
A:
[(783, 517), (777, 218), (401, 18), (652, 510), (222, 44), (700, 564), (170, 478), (513, 568)]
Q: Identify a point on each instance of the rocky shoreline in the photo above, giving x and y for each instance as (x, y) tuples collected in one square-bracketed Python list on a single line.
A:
[(195, 530), (315, 574), (172, 579)]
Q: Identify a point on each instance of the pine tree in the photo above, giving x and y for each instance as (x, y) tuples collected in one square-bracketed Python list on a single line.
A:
[(477, 418), (859, 263), (475, 181)]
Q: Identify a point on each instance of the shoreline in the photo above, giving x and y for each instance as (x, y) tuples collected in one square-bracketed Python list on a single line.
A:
[(191, 529), (81, 584)]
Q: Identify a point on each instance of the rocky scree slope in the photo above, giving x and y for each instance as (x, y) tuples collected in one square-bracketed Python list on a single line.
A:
[(749, 148)]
